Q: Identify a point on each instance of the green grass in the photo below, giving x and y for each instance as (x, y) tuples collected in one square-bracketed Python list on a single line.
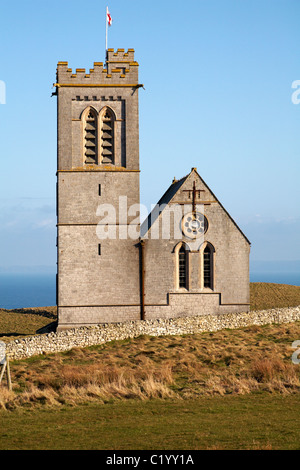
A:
[(254, 422)]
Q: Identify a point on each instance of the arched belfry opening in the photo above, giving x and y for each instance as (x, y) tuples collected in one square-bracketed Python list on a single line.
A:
[(107, 132), (90, 137)]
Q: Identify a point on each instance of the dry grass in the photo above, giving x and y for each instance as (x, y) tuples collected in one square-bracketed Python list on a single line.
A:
[(19, 323), (265, 295), (234, 362), (228, 362)]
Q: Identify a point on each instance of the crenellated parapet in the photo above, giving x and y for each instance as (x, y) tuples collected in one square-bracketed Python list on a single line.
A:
[(90, 101), (120, 69)]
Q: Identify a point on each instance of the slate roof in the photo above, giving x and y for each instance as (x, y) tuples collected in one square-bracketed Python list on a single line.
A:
[(164, 200), (168, 196)]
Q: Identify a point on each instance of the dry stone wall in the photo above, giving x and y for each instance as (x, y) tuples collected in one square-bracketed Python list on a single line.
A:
[(89, 336)]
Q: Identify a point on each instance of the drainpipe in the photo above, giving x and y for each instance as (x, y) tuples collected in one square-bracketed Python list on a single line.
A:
[(142, 267)]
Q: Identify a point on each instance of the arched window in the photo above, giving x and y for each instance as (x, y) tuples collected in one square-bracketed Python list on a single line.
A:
[(107, 136), (90, 138), (208, 266), (182, 267)]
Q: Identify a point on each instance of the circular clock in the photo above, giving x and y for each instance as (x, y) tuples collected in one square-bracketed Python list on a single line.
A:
[(194, 225)]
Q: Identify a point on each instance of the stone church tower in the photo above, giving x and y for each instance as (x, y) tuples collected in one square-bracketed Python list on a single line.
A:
[(98, 161), (199, 267)]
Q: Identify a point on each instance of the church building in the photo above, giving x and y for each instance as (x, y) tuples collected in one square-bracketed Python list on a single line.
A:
[(187, 258)]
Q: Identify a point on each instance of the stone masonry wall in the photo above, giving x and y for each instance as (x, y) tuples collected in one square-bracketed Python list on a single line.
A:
[(88, 336)]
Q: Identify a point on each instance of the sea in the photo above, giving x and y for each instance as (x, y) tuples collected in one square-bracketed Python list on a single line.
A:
[(39, 290), (27, 290)]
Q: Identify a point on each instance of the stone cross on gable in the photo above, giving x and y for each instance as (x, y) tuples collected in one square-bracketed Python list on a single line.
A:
[(194, 192)]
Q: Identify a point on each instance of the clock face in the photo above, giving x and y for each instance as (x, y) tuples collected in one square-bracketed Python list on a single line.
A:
[(194, 225)]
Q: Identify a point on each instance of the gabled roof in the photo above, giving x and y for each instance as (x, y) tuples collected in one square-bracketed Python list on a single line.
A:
[(164, 200), (223, 207), (168, 196)]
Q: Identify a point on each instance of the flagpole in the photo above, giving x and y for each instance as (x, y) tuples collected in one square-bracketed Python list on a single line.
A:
[(106, 32)]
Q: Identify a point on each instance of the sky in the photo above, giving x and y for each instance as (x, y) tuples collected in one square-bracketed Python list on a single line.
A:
[(218, 77)]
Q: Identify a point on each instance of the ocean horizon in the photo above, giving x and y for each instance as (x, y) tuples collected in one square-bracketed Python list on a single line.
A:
[(29, 290), (26, 290)]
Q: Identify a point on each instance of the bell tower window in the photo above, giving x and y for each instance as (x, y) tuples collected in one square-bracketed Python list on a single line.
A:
[(107, 137), (90, 138)]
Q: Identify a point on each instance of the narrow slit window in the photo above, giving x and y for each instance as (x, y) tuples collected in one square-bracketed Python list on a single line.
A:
[(99, 249), (182, 264), (208, 267), (90, 138)]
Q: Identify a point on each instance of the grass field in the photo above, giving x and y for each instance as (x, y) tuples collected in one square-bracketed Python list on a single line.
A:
[(227, 362), (231, 389), (24, 322), (264, 296), (255, 422)]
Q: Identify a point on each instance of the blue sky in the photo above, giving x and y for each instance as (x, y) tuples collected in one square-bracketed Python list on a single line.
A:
[(218, 80)]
